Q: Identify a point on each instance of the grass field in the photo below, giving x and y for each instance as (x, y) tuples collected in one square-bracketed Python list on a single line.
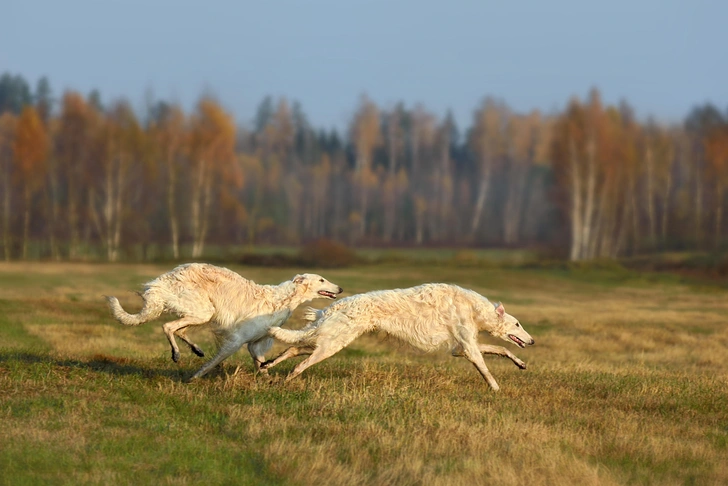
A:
[(627, 384)]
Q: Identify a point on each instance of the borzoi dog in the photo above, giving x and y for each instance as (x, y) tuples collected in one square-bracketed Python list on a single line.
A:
[(427, 317), (240, 310)]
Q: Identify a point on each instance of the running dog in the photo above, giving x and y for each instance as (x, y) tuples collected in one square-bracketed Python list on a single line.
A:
[(427, 317), (240, 310)]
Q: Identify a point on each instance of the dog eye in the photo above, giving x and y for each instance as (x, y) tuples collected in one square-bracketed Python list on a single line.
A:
[(518, 324), (322, 280)]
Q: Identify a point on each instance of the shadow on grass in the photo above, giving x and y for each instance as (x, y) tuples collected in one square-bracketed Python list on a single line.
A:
[(98, 363)]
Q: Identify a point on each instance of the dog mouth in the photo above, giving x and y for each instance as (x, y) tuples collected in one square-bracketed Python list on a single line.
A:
[(327, 294), (517, 340)]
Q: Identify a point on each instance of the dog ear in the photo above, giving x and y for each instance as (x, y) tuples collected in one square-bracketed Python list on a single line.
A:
[(500, 309), (299, 279)]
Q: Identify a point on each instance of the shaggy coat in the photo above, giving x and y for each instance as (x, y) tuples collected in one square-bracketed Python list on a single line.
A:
[(240, 310), (427, 317)]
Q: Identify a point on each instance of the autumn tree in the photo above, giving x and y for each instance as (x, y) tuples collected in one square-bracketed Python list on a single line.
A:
[(716, 154), (575, 158), (212, 153), (8, 125), (394, 141), (524, 137), (73, 142), (488, 142), (700, 123), (120, 147), (422, 137), (170, 134), (366, 137), (441, 181), (30, 151)]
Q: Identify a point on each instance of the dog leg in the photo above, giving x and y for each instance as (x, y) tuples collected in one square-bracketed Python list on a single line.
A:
[(324, 349), (471, 351), (257, 350), (234, 339), (182, 333), (225, 351), (501, 351), (288, 353), (172, 327)]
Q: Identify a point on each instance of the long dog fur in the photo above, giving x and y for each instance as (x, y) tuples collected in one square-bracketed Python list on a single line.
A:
[(427, 317), (240, 310)]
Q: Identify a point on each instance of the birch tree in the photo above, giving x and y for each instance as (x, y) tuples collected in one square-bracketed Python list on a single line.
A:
[(213, 148), (119, 147), (30, 150), (487, 141), (74, 139), (524, 137), (171, 135), (366, 137)]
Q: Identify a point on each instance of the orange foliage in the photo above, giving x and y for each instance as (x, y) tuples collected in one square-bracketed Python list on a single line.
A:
[(716, 152), (30, 147)]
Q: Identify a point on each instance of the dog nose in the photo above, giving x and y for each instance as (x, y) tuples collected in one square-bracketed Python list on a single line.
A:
[(532, 341), (340, 290)]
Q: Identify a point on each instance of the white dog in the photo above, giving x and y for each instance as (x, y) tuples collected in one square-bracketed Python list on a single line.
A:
[(427, 317), (240, 310)]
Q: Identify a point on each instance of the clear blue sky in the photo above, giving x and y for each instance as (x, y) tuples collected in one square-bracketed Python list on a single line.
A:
[(663, 56)]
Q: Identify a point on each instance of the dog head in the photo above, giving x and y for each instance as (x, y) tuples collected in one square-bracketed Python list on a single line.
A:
[(506, 327), (314, 286)]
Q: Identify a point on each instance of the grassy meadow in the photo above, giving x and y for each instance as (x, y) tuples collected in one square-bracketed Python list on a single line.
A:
[(627, 384)]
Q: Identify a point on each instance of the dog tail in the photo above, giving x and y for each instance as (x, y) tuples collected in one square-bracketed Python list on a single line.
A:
[(311, 314), (152, 309), (307, 335)]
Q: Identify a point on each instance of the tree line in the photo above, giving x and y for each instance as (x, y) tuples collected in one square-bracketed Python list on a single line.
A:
[(80, 178)]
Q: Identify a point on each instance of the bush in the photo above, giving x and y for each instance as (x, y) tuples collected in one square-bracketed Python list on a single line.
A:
[(327, 254)]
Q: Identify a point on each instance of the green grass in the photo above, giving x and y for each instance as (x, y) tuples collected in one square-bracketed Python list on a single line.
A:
[(627, 384)]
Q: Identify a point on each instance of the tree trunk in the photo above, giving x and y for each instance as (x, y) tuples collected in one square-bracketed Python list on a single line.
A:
[(480, 200), (26, 221), (576, 203), (364, 207), (197, 209), (698, 208), (444, 184), (73, 219), (650, 194), (591, 179), (390, 197), (109, 210), (514, 203), (718, 212), (599, 234), (666, 199), (6, 216), (117, 210), (54, 210), (635, 214), (171, 206)]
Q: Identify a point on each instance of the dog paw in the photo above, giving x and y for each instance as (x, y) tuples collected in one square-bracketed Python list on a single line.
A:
[(521, 364), (175, 356), (195, 349)]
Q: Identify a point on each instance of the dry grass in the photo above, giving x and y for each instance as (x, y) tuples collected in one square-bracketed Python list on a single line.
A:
[(627, 384)]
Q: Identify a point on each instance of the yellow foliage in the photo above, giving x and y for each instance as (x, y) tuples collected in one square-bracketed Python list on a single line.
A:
[(30, 147)]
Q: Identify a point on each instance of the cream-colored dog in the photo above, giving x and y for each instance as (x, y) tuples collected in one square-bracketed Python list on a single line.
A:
[(427, 317), (240, 310)]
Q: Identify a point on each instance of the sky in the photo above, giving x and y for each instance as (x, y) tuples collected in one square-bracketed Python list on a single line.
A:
[(662, 56)]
